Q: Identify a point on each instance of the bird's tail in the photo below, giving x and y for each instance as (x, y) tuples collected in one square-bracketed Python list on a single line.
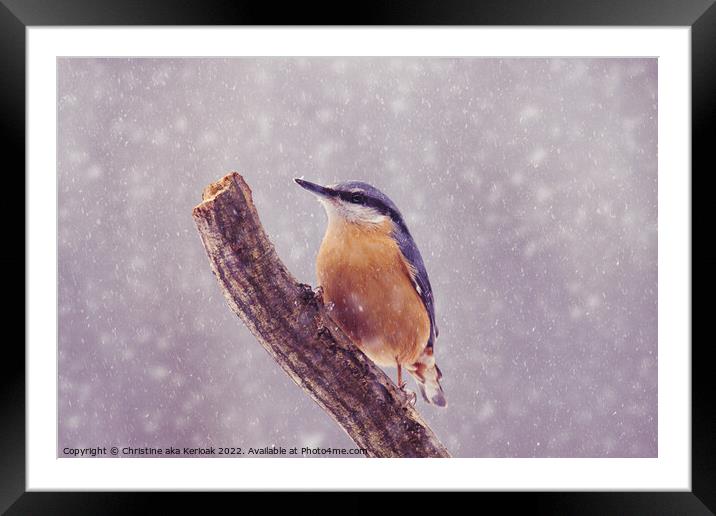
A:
[(427, 375)]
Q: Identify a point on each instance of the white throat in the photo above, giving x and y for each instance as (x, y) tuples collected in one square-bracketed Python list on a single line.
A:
[(349, 212)]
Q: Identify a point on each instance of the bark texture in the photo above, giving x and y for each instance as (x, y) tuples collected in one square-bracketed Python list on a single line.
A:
[(292, 324)]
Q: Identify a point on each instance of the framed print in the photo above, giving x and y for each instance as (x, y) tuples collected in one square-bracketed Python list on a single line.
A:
[(492, 293)]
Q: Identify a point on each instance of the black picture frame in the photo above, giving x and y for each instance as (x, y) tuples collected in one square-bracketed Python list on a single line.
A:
[(16, 15)]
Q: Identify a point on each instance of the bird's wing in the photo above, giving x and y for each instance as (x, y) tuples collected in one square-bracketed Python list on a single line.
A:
[(418, 274)]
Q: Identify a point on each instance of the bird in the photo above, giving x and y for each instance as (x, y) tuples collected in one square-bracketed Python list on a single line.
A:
[(370, 272)]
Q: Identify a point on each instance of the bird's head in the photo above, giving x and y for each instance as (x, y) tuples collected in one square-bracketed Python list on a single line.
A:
[(354, 201)]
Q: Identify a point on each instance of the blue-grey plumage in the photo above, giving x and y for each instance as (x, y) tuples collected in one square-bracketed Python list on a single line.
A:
[(373, 273)]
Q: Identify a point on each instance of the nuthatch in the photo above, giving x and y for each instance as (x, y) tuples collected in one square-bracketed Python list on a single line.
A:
[(372, 274)]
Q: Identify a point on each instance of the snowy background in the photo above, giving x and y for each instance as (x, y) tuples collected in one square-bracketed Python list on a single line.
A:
[(530, 185)]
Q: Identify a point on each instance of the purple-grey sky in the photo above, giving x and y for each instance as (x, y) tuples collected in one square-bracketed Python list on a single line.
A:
[(530, 186)]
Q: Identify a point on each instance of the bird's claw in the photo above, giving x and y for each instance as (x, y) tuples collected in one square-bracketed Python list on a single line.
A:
[(318, 296), (306, 292), (410, 396), (309, 293)]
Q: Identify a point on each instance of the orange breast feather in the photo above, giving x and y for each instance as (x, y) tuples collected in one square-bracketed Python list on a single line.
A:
[(366, 278)]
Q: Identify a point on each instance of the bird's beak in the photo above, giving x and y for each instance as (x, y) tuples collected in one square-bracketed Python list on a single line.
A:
[(321, 191)]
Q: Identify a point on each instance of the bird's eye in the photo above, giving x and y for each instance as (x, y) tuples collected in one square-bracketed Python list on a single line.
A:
[(357, 198)]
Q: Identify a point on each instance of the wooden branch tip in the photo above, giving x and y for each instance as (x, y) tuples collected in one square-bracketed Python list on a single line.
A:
[(298, 332)]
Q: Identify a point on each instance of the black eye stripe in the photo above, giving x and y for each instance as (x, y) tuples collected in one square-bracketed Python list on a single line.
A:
[(370, 202), (353, 197)]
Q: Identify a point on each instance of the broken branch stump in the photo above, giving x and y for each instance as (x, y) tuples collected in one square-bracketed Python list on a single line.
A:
[(297, 331)]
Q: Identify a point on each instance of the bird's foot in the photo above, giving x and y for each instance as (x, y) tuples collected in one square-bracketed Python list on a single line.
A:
[(409, 397), (318, 294), (307, 292), (314, 294)]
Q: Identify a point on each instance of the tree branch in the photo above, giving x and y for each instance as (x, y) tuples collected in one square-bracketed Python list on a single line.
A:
[(297, 331)]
